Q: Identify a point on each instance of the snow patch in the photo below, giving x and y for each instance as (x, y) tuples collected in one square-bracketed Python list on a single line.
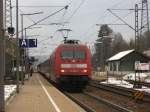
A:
[(117, 82), (123, 83), (131, 76), (9, 90)]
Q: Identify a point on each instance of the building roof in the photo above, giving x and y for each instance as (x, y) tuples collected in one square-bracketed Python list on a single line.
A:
[(120, 55)]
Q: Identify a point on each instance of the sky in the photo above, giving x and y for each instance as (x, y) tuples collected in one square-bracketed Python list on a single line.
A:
[(81, 17)]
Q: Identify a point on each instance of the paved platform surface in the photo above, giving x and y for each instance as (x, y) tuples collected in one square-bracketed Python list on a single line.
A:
[(38, 95)]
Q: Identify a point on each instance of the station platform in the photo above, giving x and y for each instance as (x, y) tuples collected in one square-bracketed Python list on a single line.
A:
[(38, 95)]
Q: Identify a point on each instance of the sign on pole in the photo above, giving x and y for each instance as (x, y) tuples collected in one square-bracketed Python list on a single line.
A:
[(144, 66), (141, 66), (27, 43), (32, 42)]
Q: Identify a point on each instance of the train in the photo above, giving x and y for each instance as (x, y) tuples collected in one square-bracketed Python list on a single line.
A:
[(69, 64)]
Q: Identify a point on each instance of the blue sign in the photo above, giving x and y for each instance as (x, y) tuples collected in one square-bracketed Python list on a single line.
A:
[(25, 43), (32, 42)]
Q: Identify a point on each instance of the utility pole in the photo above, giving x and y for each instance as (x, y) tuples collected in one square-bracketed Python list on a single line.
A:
[(12, 45), (26, 55), (17, 48), (27, 50), (8, 16), (136, 41), (145, 21), (136, 28), (2, 59), (22, 53)]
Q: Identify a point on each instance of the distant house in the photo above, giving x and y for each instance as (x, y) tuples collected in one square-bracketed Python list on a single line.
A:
[(124, 62)]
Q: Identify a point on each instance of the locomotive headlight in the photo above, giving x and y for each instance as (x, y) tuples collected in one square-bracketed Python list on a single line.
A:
[(84, 71), (62, 71)]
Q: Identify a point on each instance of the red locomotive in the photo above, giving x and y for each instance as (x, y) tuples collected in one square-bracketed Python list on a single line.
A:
[(70, 63)]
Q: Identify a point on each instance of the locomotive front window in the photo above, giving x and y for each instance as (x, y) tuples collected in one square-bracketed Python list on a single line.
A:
[(67, 54), (79, 54), (73, 54)]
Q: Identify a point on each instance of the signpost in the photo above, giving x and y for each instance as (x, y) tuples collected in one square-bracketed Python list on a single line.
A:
[(139, 67), (27, 43), (142, 66), (138, 95)]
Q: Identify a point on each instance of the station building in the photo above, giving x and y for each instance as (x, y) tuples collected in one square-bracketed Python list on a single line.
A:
[(124, 62)]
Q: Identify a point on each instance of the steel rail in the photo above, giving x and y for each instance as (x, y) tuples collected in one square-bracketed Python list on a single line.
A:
[(115, 106), (141, 83), (119, 90), (88, 108), (84, 106)]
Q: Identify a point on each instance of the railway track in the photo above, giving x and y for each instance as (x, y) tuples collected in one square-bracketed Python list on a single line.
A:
[(92, 103), (141, 83), (117, 98), (83, 105), (118, 90), (110, 104)]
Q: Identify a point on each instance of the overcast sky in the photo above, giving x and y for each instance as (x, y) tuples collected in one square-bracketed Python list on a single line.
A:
[(82, 23)]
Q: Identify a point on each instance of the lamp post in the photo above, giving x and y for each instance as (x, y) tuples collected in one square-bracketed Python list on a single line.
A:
[(17, 48), (23, 53), (27, 50), (27, 62)]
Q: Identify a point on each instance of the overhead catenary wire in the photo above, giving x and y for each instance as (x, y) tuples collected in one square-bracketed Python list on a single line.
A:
[(101, 17), (122, 17), (38, 6), (62, 22), (91, 26), (75, 11), (41, 20), (79, 8), (66, 7), (62, 18), (118, 4), (48, 16), (27, 16), (44, 40), (70, 2), (82, 2), (115, 21)]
